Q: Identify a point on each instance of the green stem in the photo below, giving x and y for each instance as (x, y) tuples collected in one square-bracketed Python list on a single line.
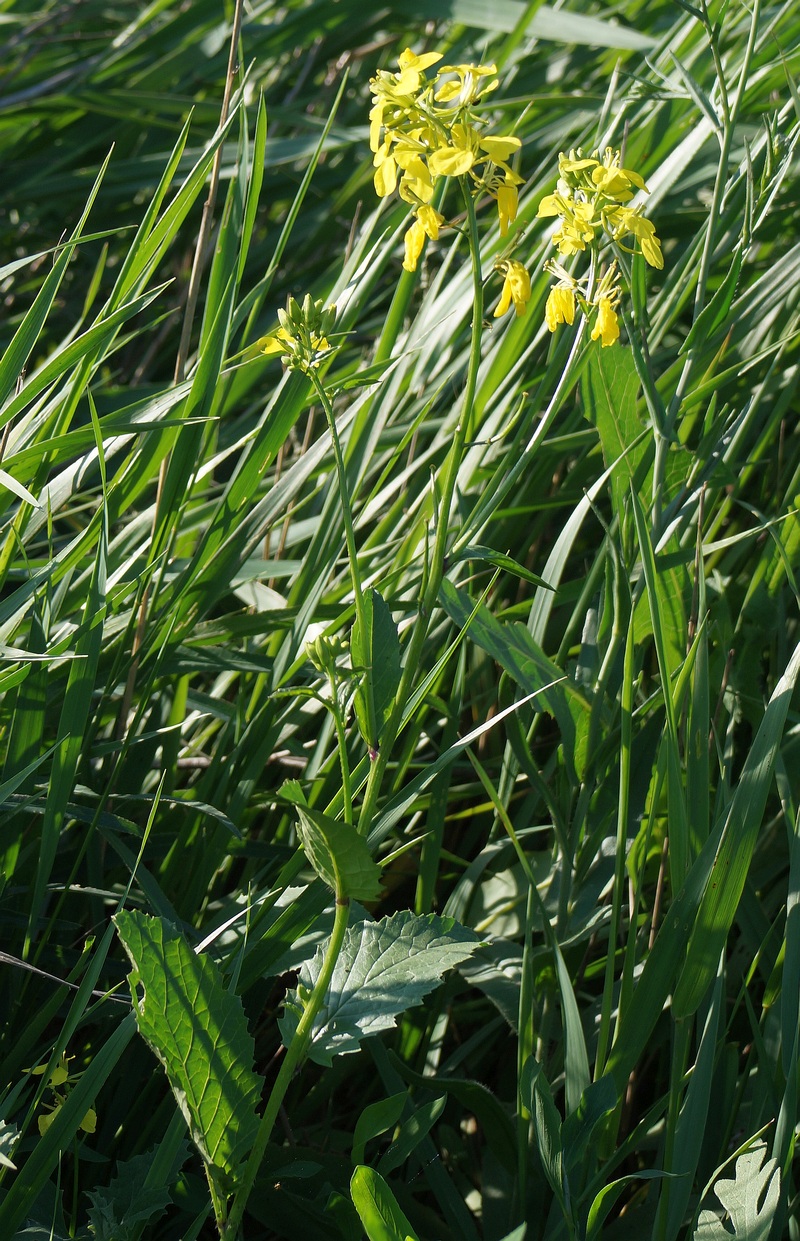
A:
[(295, 1053), (436, 568), (341, 741), (680, 1059), (626, 717), (347, 513), (217, 1201)]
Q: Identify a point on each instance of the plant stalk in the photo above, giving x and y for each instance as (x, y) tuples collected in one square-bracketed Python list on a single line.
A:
[(295, 1053), (436, 568)]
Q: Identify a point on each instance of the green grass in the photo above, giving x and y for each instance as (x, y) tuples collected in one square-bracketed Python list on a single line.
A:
[(591, 760)]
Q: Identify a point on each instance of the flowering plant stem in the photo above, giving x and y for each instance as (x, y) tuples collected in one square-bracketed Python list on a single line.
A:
[(347, 515), (295, 1053), (430, 589), (297, 1048)]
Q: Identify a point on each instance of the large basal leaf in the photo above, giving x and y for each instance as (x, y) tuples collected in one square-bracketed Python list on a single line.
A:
[(199, 1033), (377, 650), (751, 1200), (339, 855), (384, 968)]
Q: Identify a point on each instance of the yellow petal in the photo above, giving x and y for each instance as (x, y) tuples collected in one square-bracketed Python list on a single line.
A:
[(385, 178), (431, 221), (448, 91), (516, 288), (507, 202), (550, 205), (89, 1122), (500, 148), (414, 241), (560, 307), (651, 249), (409, 59), (607, 326), (273, 343), (505, 300)]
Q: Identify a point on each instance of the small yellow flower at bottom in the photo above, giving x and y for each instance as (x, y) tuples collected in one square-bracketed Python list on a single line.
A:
[(607, 326), (516, 287), (560, 307)]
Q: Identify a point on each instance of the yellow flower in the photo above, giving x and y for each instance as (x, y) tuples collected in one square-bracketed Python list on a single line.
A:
[(468, 88), (301, 339), (427, 223), (431, 220), (606, 329), (457, 158), (385, 169), (624, 220), (560, 306), (516, 288), (410, 60), (411, 70), (507, 203), (60, 1073), (88, 1124), (614, 181), (577, 228), (285, 343)]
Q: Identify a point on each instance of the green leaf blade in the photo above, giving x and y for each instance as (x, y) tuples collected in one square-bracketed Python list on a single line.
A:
[(377, 651), (198, 1031), (384, 968), (339, 855), (377, 1208)]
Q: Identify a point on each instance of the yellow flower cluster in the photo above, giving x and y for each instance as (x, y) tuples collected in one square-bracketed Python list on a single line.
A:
[(590, 202), (422, 130)]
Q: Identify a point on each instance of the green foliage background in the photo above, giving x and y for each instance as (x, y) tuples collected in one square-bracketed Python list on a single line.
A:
[(624, 842)]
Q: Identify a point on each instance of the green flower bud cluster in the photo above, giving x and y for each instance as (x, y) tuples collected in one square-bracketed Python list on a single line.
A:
[(323, 651), (302, 338)]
